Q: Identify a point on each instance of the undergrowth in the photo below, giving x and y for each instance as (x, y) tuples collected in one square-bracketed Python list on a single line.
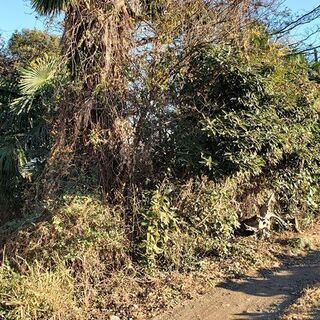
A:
[(77, 261)]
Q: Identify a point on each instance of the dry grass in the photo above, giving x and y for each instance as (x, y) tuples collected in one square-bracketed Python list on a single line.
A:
[(38, 294), (307, 307)]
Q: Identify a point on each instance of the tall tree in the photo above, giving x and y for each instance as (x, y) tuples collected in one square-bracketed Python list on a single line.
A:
[(27, 45), (101, 116)]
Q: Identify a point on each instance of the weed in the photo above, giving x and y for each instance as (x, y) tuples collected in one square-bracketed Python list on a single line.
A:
[(38, 294)]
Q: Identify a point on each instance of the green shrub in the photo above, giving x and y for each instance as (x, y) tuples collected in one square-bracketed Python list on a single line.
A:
[(207, 215), (188, 223), (249, 125), (157, 220), (253, 113)]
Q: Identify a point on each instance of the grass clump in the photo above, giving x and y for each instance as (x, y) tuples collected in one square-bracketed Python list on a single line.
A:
[(299, 243), (76, 226), (307, 306), (38, 294)]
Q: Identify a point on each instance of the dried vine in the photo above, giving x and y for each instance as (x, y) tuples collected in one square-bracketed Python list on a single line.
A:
[(121, 56)]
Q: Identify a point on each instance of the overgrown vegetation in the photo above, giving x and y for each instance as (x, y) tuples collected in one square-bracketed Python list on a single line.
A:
[(27, 101), (307, 306), (142, 147)]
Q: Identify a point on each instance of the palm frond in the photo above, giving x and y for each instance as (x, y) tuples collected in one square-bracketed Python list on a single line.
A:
[(37, 75), (50, 7), (38, 139), (34, 80), (8, 91), (12, 159)]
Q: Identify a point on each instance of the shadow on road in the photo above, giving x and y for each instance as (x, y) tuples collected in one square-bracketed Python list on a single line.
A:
[(285, 282)]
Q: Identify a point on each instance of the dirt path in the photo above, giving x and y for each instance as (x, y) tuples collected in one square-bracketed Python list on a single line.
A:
[(264, 296)]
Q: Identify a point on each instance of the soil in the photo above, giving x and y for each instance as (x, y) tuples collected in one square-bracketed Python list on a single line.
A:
[(264, 295)]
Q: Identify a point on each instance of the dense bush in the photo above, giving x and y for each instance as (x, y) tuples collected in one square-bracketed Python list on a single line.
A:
[(27, 104), (242, 122), (206, 215), (66, 260), (254, 116), (185, 223)]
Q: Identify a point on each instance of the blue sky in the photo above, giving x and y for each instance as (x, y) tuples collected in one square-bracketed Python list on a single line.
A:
[(302, 5), (18, 14)]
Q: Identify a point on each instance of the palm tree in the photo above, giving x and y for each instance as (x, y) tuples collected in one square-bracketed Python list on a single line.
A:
[(95, 32), (95, 44)]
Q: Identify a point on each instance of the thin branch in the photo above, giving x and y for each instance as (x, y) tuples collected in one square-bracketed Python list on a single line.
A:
[(304, 19)]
